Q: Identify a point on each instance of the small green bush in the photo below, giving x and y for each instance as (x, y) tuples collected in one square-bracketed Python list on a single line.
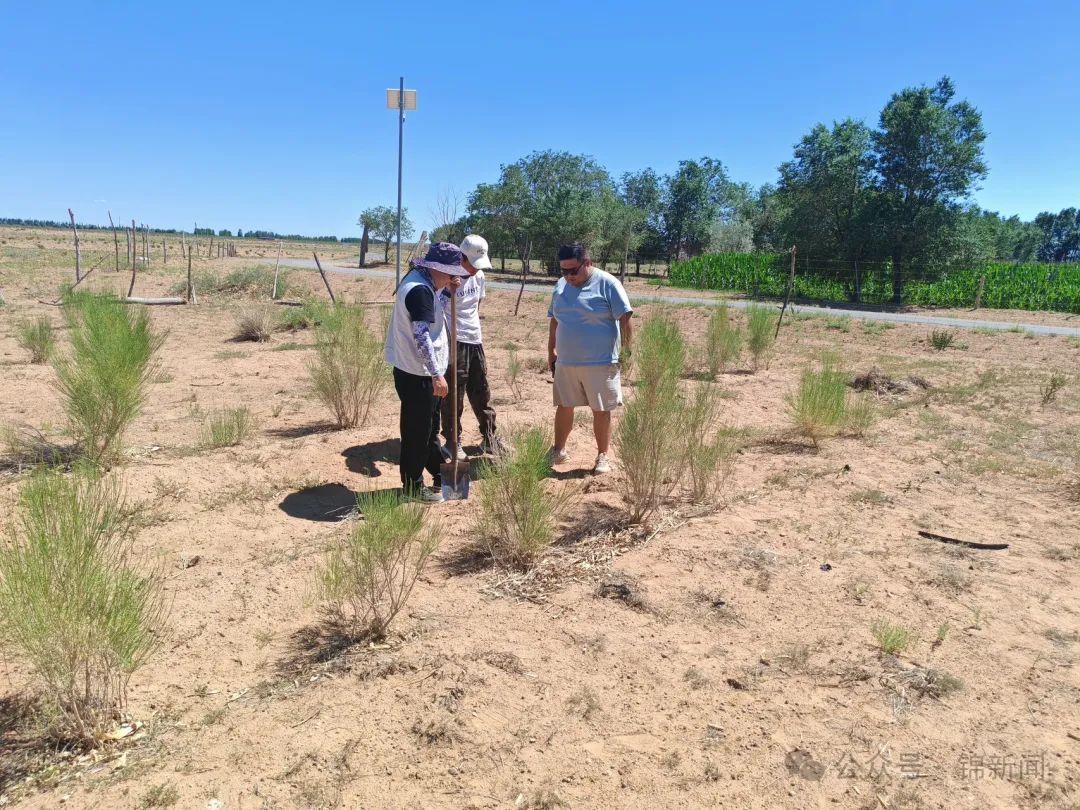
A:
[(250, 282), (105, 378), (1049, 391), (226, 427), (941, 339), (648, 436), (513, 375), (818, 406), (348, 372), (367, 580), (254, 323), (73, 604), (708, 449), (722, 341), (307, 316), (891, 639), (761, 325), (36, 337), (859, 414), (518, 515)]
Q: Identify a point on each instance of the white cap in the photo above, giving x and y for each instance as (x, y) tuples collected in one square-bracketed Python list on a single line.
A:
[(475, 249)]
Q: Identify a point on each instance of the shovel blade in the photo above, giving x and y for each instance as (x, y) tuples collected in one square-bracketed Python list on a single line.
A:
[(455, 480)]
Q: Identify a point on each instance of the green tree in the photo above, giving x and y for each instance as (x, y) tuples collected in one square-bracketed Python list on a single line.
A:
[(697, 195), (542, 201), (828, 190), (619, 230), (767, 212), (1060, 235), (929, 159), (643, 192), (381, 222)]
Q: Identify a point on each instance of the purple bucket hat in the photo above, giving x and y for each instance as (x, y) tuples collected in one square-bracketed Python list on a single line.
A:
[(444, 257)]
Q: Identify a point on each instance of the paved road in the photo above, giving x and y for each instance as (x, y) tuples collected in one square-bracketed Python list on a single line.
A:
[(858, 314)]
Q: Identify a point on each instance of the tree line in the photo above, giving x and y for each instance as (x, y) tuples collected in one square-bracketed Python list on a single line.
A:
[(899, 192), (224, 232)]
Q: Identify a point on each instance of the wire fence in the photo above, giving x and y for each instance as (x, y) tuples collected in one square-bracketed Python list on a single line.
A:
[(996, 285)]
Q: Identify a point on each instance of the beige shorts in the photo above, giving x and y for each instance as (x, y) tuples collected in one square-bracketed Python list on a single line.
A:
[(599, 387)]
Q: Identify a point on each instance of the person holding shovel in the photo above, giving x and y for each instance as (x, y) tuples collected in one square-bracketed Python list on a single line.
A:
[(471, 362), (589, 329), (418, 349)]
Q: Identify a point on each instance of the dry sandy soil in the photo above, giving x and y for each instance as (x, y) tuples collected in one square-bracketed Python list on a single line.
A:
[(739, 670)]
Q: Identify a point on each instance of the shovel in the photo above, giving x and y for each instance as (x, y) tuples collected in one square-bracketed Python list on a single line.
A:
[(455, 474)]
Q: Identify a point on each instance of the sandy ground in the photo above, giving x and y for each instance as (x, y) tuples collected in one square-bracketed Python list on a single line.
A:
[(744, 674)]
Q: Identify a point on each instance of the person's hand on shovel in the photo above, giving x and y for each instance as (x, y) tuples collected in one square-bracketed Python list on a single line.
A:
[(439, 386)]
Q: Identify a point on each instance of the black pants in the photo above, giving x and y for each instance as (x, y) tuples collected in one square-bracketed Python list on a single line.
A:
[(472, 380), (419, 426)]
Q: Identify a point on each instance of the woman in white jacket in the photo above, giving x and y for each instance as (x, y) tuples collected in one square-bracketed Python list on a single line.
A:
[(417, 347)]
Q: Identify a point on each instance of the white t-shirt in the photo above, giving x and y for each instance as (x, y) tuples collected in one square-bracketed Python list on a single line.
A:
[(469, 295)]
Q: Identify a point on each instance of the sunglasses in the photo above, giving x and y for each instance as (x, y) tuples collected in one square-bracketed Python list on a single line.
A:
[(571, 271)]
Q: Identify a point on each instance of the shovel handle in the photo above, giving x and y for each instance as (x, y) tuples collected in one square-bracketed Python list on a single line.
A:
[(453, 372)]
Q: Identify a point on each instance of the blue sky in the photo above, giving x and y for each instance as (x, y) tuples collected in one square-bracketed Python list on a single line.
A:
[(272, 115)]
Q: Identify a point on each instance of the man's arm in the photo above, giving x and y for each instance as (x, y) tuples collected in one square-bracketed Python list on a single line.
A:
[(552, 326), (626, 333)]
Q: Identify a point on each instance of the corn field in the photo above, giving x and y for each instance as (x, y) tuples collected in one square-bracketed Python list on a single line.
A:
[(1031, 286)]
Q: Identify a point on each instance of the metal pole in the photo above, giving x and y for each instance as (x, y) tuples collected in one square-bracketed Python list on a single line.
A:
[(400, 143)]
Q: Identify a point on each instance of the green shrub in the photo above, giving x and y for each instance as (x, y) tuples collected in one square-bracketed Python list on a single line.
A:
[(307, 316), (36, 337), (722, 341), (248, 282), (1049, 391), (513, 374), (254, 323), (648, 435), (348, 373), (72, 604), (819, 405), (859, 414), (892, 639), (367, 579), (708, 449), (518, 516), (104, 379), (761, 325), (941, 339), (841, 323), (226, 427)]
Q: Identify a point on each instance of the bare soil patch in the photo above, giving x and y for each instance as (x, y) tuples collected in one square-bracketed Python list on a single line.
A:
[(724, 660)]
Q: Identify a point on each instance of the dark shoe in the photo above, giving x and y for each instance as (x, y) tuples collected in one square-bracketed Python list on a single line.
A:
[(423, 495), (495, 447)]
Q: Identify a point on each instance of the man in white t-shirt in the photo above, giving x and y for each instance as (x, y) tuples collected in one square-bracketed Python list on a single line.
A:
[(471, 363)]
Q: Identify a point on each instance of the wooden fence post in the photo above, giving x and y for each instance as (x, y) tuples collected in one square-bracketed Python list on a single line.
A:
[(190, 285), (131, 287), (277, 267), (116, 242), (325, 280), (787, 292), (74, 230)]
